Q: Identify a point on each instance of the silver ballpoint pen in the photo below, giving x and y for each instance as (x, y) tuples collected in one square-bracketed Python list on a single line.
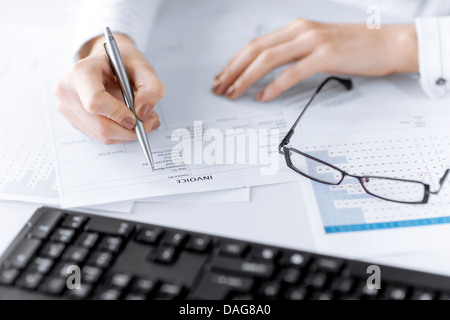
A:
[(116, 62)]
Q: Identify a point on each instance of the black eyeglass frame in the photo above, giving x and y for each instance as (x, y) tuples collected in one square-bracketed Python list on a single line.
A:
[(286, 151)]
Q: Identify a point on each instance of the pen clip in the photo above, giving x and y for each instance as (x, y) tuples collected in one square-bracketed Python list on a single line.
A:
[(110, 63)]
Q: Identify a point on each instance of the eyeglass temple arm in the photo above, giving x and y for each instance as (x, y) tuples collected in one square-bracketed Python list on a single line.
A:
[(347, 83), (441, 182)]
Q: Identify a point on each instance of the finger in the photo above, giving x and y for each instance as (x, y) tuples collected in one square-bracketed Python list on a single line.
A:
[(108, 136), (84, 127), (149, 89), (292, 75), (89, 83), (249, 52), (99, 127), (152, 123), (267, 61)]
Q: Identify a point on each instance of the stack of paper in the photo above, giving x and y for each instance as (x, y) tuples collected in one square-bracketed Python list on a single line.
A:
[(77, 171), (227, 145), (27, 159)]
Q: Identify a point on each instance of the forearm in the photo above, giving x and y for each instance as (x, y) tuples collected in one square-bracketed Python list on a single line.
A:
[(404, 49)]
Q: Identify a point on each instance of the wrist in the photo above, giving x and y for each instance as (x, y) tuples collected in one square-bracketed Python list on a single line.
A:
[(405, 49)]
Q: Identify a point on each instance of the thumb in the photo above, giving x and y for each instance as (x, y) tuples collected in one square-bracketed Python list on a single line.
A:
[(149, 89)]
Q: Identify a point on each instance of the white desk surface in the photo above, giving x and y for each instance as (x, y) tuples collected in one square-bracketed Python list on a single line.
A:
[(276, 214)]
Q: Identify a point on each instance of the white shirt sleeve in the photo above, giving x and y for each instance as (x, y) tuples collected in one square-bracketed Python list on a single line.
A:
[(135, 18), (434, 55)]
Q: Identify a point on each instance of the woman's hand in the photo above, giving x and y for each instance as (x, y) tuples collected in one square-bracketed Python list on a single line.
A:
[(92, 101), (346, 49)]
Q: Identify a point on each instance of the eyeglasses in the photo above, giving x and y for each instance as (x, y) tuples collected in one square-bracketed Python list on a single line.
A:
[(390, 189)]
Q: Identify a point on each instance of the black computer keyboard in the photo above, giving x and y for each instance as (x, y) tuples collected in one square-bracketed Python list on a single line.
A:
[(121, 259)]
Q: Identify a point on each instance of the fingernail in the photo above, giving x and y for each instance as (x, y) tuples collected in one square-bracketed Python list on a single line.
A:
[(146, 112), (156, 125), (128, 123), (230, 92), (215, 84), (259, 96)]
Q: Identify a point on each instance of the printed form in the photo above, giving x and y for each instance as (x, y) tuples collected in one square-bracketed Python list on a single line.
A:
[(226, 144), (390, 135)]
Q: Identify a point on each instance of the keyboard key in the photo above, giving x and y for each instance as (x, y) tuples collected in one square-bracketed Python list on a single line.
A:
[(322, 296), (169, 291), (269, 290), (100, 259), (290, 276), (233, 249), (199, 244), (317, 280), (143, 286), (268, 254), (62, 268), (120, 280), (217, 286), (444, 296), (45, 225), (111, 244), (75, 254), (42, 265), (329, 265), (74, 222), (343, 285), (53, 285), (63, 235), (367, 292), (174, 239), (53, 250), (8, 276), (109, 294), (165, 255), (135, 297), (109, 227), (88, 239), (297, 259), (396, 293), (30, 280), (242, 297), (80, 294), (423, 295), (149, 236), (350, 297), (23, 253), (90, 274), (249, 268), (298, 293)]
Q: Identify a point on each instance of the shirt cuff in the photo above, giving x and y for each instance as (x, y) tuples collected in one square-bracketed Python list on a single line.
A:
[(434, 55), (134, 18)]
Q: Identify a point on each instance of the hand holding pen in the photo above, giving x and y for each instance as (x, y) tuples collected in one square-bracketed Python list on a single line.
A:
[(92, 100)]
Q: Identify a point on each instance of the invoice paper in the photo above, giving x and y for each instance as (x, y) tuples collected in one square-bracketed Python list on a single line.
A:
[(232, 145), (93, 173)]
